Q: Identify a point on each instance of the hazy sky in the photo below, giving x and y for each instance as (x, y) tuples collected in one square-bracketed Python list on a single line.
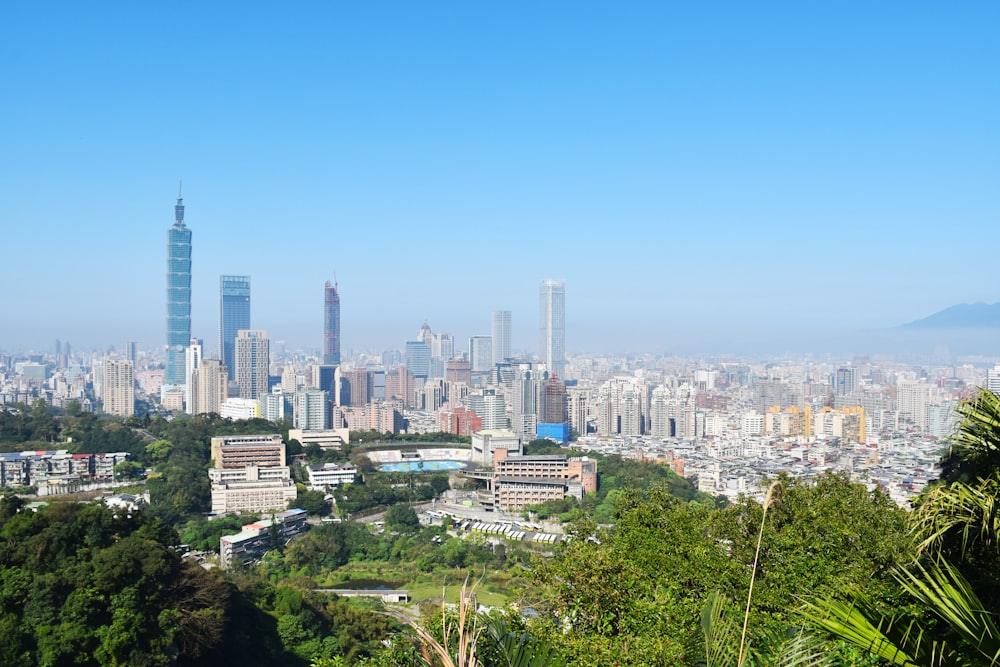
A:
[(689, 169)]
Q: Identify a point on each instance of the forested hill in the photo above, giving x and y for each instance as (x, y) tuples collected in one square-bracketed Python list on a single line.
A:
[(82, 585)]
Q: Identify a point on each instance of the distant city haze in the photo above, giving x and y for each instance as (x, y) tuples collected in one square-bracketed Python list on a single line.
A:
[(795, 178)]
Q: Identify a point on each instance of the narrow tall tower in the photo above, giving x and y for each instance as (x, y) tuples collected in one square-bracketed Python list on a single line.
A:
[(331, 325), (552, 325), (234, 315), (253, 362), (501, 336), (178, 295)]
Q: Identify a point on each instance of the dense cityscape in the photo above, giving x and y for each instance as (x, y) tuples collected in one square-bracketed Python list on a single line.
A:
[(730, 424), (500, 335)]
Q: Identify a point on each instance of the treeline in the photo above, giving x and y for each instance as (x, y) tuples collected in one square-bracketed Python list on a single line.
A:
[(84, 585), (39, 427)]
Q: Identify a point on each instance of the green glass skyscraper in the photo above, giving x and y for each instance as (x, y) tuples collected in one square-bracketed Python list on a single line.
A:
[(178, 295)]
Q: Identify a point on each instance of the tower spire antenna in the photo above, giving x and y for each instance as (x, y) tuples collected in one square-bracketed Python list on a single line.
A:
[(180, 184)]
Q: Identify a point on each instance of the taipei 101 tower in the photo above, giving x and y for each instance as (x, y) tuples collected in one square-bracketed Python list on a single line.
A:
[(178, 295)]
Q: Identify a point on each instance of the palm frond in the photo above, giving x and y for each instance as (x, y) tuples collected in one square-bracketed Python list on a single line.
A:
[(946, 593), (802, 649), (971, 510), (517, 649), (720, 630), (857, 623), (975, 446)]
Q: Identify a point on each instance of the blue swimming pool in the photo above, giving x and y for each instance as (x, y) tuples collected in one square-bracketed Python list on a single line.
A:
[(421, 466)]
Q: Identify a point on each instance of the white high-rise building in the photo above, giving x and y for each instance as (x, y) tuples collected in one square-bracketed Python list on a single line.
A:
[(912, 400), (272, 406), (253, 361), (622, 404), (119, 387), (993, 379), (490, 406), (312, 410), (659, 413), (577, 400), (192, 359), (552, 325), (501, 336)]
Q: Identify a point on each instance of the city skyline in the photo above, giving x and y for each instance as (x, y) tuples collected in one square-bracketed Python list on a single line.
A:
[(744, 165)]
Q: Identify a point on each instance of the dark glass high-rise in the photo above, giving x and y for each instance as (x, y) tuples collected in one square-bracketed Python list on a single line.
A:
[(234, 314), (331, 325)]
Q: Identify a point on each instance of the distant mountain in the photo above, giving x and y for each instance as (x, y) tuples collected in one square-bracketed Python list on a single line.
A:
[(962, 316)]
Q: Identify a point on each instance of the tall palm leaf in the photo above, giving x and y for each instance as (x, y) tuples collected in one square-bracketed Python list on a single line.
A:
[(970, 512), (905, 641)]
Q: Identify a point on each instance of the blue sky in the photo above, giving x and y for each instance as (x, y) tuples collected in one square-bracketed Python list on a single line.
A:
[(693, 171)]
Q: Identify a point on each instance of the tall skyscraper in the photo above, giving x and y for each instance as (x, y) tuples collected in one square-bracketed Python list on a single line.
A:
[(418, 358), (209, 387), (178, 295), (131, 352), (501, 336), (253, 360), (331, 324), (119, 387), (192, 360), (552, 325), (234, 314), (481, 353)]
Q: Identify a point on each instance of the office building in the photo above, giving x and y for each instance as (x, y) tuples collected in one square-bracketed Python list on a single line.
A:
[(488, 445), (845, 382), (234, 315), (240, 408), (272, 406), (328, 474), (238, 451), (481, 353), (519, 481), (192, 359), (359, 387), (251, 489), (333, 438), (418, 358), (327, 377), (993, 379), (458, 370), (256, 539), (209, 386), (252, 362), (459, 420), (490, 406), (552, 325), (119, 387), (501, 336), (331, 324), (552, 408), (131, 353), (178, 295), (312, 410)]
